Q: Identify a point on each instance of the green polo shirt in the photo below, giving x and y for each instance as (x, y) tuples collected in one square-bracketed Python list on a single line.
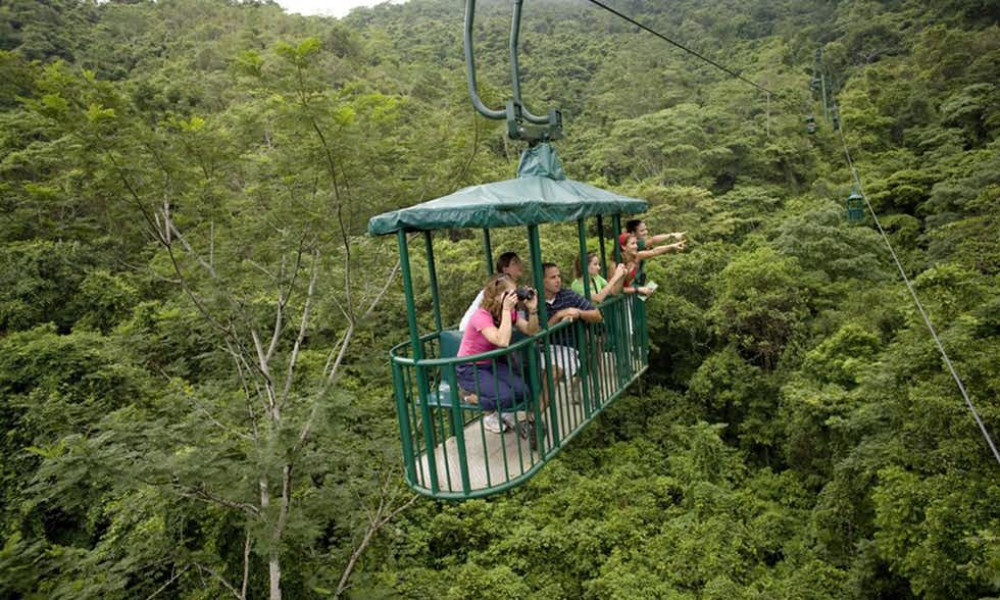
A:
[(597, 284)]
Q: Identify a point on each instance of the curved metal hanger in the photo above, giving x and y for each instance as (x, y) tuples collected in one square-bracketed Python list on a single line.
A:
[(519, 118)]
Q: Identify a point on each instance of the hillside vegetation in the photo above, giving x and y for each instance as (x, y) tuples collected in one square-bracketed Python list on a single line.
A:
[(194, 387)]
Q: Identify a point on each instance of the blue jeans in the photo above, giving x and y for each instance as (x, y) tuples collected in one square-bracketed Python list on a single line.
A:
[(502, 389)]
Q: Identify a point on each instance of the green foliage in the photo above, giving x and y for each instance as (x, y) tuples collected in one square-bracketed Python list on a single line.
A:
[(39, 282), (759, 305), (174, 174)]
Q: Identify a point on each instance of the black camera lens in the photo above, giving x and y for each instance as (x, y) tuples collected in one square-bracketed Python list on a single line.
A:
[(525, 293)]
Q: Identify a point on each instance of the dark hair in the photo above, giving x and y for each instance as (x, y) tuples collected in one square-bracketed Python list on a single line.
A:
[(547, 266), (632, 225), (577, 270), (505, 259)]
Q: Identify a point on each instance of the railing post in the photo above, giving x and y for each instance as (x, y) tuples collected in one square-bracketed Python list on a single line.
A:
[(488, 250), (616, 224), (600, 244), (543, 318), (622, 340), (432, 274), (458, 424), (581, 234), (581, 338), (535, 248), (641, 324), (583, 346), (418, 354), (404, 423)]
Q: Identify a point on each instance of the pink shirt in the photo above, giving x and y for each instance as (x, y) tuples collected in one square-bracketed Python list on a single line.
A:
[(473, 340)]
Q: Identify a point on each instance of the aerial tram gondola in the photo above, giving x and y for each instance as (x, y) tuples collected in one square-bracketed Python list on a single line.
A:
[(855, 206), (447, 451)]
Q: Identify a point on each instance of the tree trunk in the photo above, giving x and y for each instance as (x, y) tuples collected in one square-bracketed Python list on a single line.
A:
[(274, 568), (274, 562)]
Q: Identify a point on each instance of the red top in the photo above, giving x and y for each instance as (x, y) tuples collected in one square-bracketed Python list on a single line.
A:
[(630, 277)]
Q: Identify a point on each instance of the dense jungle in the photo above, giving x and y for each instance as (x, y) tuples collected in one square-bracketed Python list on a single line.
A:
[(195, 395)]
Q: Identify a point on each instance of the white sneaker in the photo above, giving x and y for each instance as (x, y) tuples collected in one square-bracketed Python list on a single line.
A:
[(509, 421), (491, 422)]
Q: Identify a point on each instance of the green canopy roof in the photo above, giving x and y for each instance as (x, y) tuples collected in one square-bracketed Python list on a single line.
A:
[(540, 194)]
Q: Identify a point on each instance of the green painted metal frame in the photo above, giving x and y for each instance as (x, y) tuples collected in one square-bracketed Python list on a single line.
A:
[(600, 244), (418, 351), (522, 124), (401, 362), (855, 207), (418, 399)]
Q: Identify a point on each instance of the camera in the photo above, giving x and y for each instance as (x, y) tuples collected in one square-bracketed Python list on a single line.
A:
[(524, 293)]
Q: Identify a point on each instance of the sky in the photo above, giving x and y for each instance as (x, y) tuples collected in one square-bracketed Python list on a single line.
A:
[(332, 8)]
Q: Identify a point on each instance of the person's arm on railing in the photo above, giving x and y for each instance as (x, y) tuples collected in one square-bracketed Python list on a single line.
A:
[(590, 316)]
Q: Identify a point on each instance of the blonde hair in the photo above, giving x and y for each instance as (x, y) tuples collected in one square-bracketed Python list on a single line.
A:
[(496, 285)]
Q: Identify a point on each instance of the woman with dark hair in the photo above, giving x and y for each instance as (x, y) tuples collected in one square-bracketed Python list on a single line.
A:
[(646, 246), (490, 327), (508, 264)]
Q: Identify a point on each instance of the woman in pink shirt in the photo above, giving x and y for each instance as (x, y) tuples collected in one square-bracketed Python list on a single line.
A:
[(491, 327)]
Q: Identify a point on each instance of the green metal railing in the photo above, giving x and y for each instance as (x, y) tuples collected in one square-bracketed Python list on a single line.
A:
[(572, 371)]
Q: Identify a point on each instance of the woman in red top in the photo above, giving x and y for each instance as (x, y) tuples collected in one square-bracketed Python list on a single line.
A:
[(631, 255)]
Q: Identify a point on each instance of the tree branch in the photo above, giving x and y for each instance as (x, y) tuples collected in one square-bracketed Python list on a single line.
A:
[(302, 327), (246, 565), (200, 493), (374, 525), (382, 292), (220, 579), (167, 584)]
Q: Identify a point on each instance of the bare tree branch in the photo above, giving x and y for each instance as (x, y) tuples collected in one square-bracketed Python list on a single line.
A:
[(283, 298), (249, 402), (266, 372), (204, 495), (246, 565), (340, 307), (303, 326), (382, 292), (347, 261), (348, 335), (220, 579), (192, 296), (203, 410), (334, 353), (167, 584), (374, 525), (187, 246)]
